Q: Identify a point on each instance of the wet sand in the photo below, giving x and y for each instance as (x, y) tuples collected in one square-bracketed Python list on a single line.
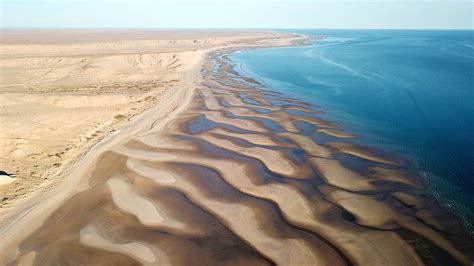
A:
[(63, 91), (227, 178)]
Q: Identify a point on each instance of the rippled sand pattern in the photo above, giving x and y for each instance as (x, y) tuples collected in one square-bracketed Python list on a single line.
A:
[(238, 179)]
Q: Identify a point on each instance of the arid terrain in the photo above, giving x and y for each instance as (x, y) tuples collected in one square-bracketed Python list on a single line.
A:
[(158, 152), (63, 91)]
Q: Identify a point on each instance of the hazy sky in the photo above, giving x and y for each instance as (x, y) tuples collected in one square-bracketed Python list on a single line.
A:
[(238, 14)]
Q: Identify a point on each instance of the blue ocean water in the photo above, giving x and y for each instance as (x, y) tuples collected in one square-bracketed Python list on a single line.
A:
[(410, 92)]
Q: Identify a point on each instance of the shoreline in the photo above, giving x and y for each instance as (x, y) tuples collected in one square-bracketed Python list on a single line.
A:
[(442, 175), (227, 131), (61, 158), (382, 156), (18, 216)]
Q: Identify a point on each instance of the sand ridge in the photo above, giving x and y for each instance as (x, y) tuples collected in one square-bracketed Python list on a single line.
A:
[(78, 92)]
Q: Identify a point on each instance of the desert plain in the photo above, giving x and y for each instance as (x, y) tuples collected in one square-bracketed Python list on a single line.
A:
[(61, 92)]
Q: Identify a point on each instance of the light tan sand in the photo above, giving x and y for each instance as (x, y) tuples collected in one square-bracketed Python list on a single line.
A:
[(129, 201), (244, 221), (77, 92), (5, 179), (173, 101), (90, 237), (155, 174)]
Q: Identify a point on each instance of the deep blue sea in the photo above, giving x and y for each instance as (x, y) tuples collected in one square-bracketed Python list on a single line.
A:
[(409, 92)]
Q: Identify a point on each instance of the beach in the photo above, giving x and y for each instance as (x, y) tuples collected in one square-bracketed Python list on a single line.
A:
[(158, 152), (80, 86)]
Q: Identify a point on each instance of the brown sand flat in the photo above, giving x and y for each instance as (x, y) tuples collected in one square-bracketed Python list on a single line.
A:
[(361, 152), (311, 147), (395, 176), (336, 133), (255, 138), (337, 175), (245, 124), (186, 182), (276, 161)]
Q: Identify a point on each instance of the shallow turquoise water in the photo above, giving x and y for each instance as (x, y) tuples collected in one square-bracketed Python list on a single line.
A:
[(410, 92)]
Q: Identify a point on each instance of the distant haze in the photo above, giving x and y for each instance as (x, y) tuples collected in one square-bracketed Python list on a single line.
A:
[(441, 14)]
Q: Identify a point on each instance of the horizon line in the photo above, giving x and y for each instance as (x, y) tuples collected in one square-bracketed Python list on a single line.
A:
[(227, 28)]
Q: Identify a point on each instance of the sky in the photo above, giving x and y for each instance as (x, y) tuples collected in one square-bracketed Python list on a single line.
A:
[(379, 14)]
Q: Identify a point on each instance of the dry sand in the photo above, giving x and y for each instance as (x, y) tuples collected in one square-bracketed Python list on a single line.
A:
[(63, 91)]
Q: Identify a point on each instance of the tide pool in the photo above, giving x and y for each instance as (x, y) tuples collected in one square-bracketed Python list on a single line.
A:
[(408, 92)]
